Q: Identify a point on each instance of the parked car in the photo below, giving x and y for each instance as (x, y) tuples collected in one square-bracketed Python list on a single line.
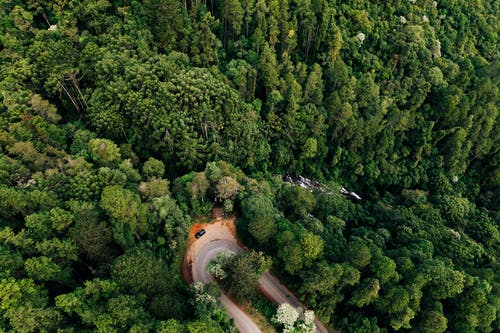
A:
[(200, 233)]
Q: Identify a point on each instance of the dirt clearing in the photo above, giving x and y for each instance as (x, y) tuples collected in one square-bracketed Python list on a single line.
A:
[(216, 229)]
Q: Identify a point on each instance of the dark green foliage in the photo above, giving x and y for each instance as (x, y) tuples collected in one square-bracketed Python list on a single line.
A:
[(64, 226), (241, 273), (104, 103), (259, 213), (206, 303)]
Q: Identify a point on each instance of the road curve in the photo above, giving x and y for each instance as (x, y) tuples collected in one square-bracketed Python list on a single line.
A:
[(219, 239), (206, 253)]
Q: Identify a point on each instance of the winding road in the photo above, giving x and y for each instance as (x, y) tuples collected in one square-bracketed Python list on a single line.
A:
[(208, 252), (219, 238)]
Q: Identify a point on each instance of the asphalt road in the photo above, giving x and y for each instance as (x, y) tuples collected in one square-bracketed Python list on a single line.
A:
[(212, 243), (279, 294), (203, 256)]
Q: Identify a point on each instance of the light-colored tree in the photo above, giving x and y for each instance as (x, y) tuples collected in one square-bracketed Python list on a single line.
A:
[(228, 206), (216, 266), (44, 108), (205, 300), (199, 186), (307, 323), (227, 188), (154, 188), (286, 315), (104, 150)]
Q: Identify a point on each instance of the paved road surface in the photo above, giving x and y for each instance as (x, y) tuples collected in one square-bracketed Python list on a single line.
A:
[(204, 255), (213, 243), (279, 294)]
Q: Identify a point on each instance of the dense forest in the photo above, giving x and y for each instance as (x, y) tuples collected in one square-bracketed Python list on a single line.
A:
[(123, 121)]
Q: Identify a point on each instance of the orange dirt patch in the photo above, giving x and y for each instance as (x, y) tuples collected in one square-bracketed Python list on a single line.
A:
[(194, 229), (187, 266), (229, 222), (186, 271)]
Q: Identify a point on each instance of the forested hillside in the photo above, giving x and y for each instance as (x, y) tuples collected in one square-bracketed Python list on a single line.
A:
[(122, 121)]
